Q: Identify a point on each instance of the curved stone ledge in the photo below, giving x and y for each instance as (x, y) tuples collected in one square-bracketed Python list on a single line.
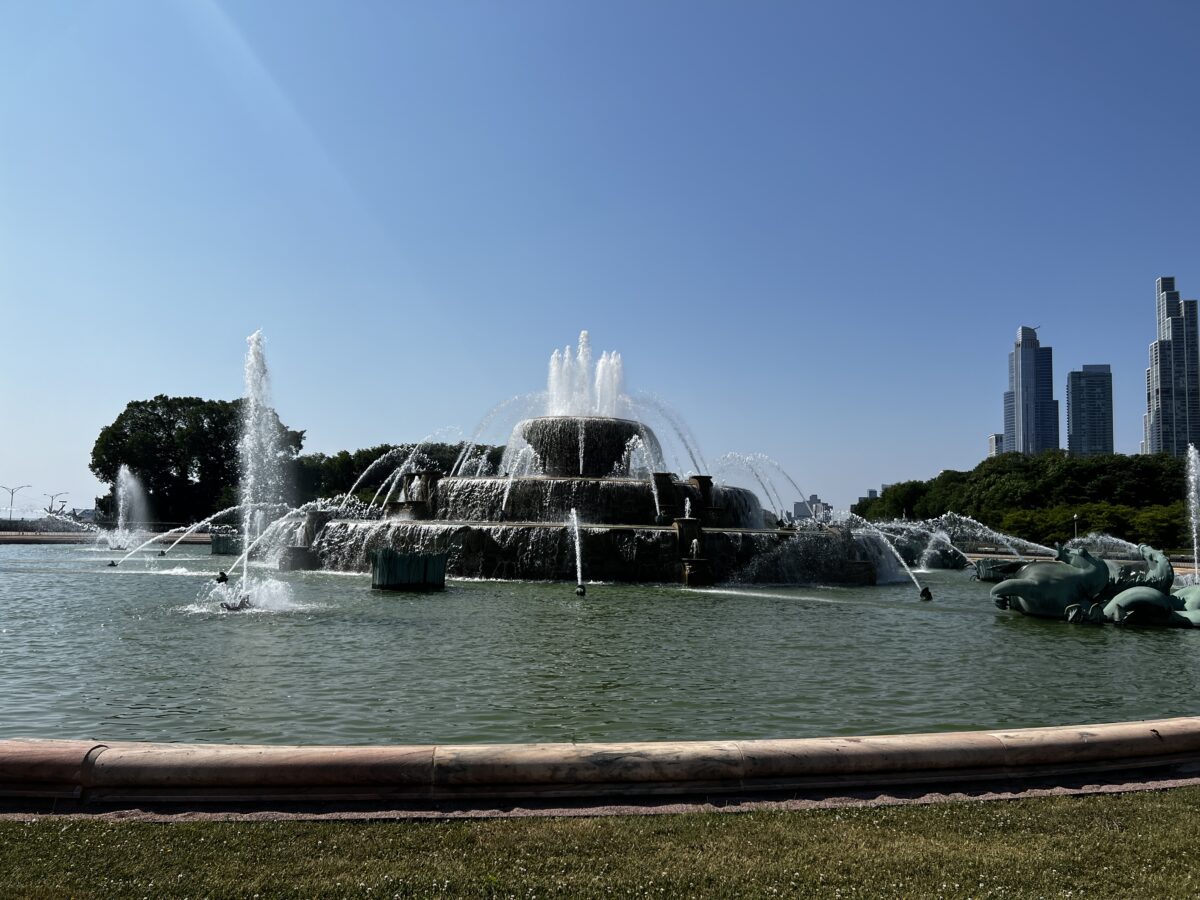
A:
[(203, 772)]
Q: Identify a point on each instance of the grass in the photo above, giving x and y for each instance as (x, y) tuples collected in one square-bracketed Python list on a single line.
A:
[(1131, 845)]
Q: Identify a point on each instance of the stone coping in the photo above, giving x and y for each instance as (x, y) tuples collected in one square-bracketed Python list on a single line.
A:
[(130, 771), (86, 537)]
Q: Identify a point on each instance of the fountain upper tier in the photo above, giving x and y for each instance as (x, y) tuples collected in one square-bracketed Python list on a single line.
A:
[(585, 446)]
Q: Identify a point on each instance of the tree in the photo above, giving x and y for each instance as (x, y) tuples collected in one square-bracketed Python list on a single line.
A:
[(1037, 497), (184, 450), (319, 475)]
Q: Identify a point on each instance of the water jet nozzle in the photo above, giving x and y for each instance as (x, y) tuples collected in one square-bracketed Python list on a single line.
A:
[(112, 563), (926, 594), (580, 591)]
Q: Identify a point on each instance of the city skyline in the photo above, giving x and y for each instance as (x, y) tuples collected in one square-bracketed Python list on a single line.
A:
[(797, 253)]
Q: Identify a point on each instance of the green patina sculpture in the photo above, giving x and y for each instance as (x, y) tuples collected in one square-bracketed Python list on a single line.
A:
[(1081, 588), (1047, 588)]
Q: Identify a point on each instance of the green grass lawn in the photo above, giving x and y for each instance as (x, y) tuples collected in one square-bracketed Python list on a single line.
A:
[(1133, 845)]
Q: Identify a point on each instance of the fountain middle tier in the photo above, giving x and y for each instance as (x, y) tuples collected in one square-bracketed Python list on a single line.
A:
[(600, 501)]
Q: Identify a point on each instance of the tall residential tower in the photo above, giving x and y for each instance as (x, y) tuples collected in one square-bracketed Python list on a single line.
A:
[(1090, 411), (1030, 410), (1173, 380)]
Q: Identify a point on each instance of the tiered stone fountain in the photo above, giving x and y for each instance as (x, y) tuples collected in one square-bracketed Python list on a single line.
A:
[(637, 522)]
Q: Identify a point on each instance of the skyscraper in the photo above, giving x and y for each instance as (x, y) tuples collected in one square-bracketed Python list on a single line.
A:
[(1090, 411), (1030, 410), (1172, 418)]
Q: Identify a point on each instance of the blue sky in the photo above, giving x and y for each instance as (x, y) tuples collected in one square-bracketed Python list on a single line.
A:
[(813, 228)]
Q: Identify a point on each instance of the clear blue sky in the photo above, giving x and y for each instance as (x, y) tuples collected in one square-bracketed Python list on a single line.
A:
[(814, 228)]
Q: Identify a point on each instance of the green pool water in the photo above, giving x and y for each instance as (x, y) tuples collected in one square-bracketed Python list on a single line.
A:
[(138, 653)]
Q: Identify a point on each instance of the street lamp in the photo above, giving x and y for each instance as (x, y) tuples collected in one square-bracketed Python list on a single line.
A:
[(11, 492), (54, 499), (1076, 518)]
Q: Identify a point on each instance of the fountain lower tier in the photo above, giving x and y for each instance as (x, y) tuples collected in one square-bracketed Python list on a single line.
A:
[(544, 552)]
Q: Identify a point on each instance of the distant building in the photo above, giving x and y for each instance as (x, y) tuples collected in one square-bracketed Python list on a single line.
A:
[(1030, 410), (995, 444), (1172, 419), (1090, 411), (871, 495), (817, 509)]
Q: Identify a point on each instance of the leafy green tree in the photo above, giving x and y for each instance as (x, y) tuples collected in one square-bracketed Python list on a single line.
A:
[(1163, 526), (1137, 498), (183, 449), (319, 475)]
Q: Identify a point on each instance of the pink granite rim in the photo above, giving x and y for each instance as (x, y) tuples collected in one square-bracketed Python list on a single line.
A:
[(131, 770)]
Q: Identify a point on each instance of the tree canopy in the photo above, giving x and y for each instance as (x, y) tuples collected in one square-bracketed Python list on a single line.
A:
[(184, 450), (321, 475), (1137, 498)]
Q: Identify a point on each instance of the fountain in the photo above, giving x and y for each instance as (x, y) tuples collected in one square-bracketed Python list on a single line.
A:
[(261, 490), (133, 513), (586, 453), (578, 542), (1193, 506)]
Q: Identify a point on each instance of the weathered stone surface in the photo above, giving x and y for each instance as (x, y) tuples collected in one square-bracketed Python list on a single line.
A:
[(49, 762), (508, 764), (647, 554), (201, 771), (884, 753), (393, 570), (217, 765), (581, 446), (598, 501), (298, 559)]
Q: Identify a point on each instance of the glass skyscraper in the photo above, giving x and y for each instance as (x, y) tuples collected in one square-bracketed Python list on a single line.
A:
[(1090, 411), (1030, 410), (1172, 418)]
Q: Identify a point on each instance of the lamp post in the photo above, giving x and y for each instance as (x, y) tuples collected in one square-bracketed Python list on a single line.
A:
[(1076, 518), (11, 492), (54, 499)]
